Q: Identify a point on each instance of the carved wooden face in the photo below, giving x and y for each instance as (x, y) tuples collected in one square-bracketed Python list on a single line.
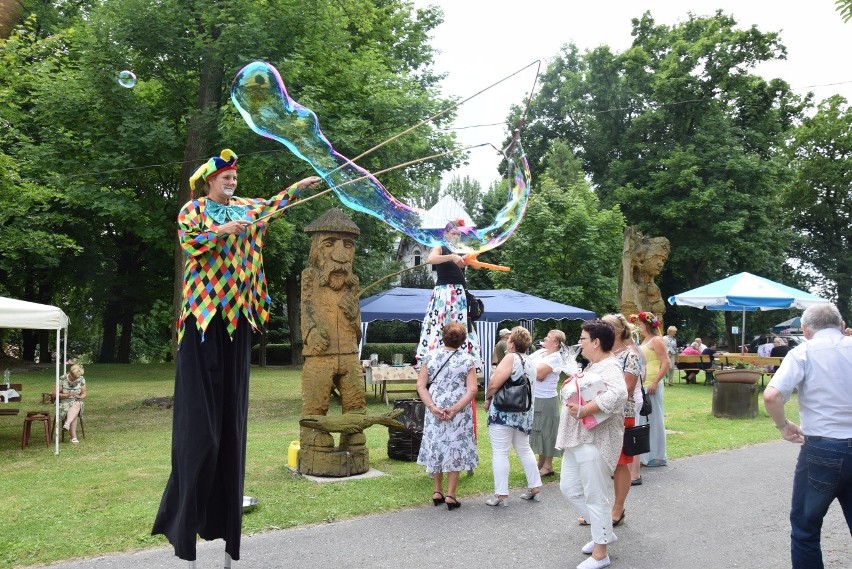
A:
[(335, 254)]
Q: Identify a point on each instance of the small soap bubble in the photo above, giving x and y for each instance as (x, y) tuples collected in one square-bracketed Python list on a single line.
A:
[(127, 79)]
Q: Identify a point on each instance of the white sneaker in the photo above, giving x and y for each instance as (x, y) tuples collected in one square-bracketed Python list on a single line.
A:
[(74, 440), (589, 547), (592, 563)]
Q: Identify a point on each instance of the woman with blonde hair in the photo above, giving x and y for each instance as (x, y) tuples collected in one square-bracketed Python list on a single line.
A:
[(510, 429), (72, 391), (631, 367), (548, 364), (671, 350), (656, 366)]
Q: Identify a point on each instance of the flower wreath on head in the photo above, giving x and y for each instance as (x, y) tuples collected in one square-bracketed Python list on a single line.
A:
[(647, 317)]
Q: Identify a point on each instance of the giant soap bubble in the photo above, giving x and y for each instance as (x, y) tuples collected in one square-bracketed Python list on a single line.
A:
[(261, 97)]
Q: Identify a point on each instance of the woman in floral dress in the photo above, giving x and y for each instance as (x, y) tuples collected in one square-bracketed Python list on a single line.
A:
[(72, 391), (446, 385), (448, 302)]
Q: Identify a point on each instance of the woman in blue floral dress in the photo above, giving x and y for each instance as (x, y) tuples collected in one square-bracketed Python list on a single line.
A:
[(446, 385)]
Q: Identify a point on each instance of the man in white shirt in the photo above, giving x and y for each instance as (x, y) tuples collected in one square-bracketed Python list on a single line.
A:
[(701, 347), (821, 370)]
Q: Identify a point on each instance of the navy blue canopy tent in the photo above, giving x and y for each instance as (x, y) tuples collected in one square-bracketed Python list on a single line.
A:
[(408, 304)]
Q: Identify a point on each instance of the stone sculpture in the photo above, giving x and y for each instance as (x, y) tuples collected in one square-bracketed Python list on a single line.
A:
[(642, 259)]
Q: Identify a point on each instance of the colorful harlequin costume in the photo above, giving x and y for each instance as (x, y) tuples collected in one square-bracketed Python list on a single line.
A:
[(224, 298)]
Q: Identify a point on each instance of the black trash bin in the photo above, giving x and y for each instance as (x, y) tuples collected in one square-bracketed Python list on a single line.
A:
[(404, 444)]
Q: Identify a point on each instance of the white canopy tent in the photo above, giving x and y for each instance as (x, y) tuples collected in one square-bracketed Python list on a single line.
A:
[(29, 315)]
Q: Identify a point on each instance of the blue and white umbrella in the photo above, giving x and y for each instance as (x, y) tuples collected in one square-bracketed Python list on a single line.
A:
[(746, 292)]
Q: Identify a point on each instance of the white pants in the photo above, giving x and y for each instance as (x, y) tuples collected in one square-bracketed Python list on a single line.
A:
[(584, 481), (503, 438)]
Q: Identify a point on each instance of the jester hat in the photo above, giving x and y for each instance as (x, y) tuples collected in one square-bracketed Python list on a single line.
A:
[(226, 160)]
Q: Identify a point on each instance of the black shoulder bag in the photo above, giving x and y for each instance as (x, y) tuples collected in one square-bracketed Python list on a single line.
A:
[(437, 373), (514, 396)]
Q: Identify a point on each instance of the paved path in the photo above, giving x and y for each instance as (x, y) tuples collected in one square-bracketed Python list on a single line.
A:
[(721, 510)]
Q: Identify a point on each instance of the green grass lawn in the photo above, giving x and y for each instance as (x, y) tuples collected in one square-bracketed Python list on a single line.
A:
[(103, 493)]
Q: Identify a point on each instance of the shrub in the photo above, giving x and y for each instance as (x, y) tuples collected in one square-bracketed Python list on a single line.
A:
[(386, 351), (276, 354)]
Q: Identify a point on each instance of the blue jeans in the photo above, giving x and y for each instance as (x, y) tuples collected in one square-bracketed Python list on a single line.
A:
[(823, 473)]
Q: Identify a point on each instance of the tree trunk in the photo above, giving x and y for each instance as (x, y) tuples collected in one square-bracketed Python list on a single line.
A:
[(199, 137), (111, 319), (128, 311), (294, 318)]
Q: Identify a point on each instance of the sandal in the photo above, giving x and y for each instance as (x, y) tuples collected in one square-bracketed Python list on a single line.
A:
[(498, 501), (582, 521), (533, 496), (454, 504), (543, 472), (619, 521), (74, 440), (438, 501)]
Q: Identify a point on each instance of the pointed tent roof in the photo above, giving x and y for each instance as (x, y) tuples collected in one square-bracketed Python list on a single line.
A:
[(446, 210)]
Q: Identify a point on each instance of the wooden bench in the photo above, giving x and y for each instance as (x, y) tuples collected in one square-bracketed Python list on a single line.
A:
[(732, 360), (692, 364), (5, 410)]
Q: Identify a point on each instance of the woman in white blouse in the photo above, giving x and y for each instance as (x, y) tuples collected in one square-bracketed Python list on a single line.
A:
[(591, 432), (548, 364)]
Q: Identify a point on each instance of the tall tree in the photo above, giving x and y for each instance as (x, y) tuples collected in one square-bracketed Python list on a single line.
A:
[(567, 248), (680, 132), (83, 146), (818, 204)]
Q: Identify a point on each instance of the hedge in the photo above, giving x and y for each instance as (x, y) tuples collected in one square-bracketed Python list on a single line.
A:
[(276, 354), (281, 354), (386, 352)]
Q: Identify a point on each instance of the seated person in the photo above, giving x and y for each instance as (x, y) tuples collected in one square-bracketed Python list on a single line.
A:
[(691, 373), (72, 391), (765, 348), (779, 350), (707, 367), (691, 350)]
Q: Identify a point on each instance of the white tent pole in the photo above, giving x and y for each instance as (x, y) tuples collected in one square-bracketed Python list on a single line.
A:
[(742, 342), (59, 347)]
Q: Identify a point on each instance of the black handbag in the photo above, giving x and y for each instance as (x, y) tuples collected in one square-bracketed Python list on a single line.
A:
[(646, 408), (514, 396), (637, 440), (475, 307)]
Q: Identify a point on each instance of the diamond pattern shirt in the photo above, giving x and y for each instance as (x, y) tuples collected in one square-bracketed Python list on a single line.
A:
[(223, 274)]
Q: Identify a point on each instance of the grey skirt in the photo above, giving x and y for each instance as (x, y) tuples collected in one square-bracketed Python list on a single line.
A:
[(544, 427)]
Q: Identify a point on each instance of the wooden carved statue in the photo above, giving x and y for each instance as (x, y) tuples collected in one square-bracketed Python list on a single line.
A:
[(331, 331), (642, 259)]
